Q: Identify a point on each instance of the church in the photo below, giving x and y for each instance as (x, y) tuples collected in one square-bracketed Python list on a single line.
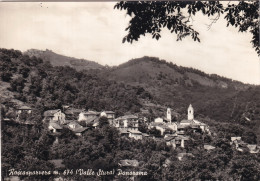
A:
[(191, 122)]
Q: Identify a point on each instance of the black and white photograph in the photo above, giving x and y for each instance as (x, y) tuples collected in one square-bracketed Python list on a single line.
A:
[(130, 90)]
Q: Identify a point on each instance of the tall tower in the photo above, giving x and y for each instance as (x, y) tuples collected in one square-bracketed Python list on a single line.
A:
[(169, 115), (190, 113)]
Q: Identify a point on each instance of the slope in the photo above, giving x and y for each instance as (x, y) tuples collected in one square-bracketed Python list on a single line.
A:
[(61, 60)]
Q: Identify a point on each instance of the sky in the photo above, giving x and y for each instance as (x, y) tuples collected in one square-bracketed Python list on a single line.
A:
[(94, 31)]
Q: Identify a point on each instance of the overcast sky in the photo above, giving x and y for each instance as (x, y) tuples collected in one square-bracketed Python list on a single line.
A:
[(94, 31)]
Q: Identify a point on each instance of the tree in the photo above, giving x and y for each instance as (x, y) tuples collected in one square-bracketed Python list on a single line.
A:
[(151, 17), (103, 121)]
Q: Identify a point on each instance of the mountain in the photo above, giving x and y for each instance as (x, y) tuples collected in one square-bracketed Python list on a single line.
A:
[(176, 86), (171, 84), (150, 70), (61, 60)]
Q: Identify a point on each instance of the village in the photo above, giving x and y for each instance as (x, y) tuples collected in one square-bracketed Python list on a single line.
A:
[(171, 132)]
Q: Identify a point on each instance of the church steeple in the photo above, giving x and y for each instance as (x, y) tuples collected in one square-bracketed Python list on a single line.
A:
[(169, 115), (190, 113)]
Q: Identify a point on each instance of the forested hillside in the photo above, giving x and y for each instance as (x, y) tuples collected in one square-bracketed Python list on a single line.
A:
[(230, 108), (219, 98), (61, 60), (43, 86)]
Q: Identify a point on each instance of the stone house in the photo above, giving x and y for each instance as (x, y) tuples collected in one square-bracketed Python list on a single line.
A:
[(54, 116), (54, 127), (137, 135), (128, 122)]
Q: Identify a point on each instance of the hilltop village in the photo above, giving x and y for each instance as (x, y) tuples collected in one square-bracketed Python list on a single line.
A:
[(171, 132)]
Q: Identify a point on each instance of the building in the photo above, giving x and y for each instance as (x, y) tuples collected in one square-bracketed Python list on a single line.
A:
[(24, 109), (76, 128), (128, 163), (128, 122), (180, 156), (253, 148), (158, 120), (72, 113), (54, 127), (54, 116), (88, 115), (176, 140), (209, 147), (190, 112), (169, 115), (137, 135), (110, 115), (191, 122)]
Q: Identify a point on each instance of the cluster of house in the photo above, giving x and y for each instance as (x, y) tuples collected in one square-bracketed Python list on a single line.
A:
[(172, 132), (73, 119), (242, 146), (128, 125)]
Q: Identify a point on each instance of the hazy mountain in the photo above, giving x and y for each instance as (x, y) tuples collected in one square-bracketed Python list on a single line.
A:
[(61, 60)]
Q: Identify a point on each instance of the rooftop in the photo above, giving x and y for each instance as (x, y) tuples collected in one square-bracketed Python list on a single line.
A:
[(51, 112), (128, 117), (134, 132), (24, 108), (128, 163), (55, 125)]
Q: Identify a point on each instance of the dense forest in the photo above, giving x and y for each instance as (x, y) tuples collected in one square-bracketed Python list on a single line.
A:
[(230, 111)]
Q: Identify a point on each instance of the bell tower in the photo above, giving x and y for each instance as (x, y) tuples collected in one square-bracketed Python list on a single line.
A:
[(169, 115), (190, 113)]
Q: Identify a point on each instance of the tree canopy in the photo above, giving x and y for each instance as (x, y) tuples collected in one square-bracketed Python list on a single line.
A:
[(151, 17)]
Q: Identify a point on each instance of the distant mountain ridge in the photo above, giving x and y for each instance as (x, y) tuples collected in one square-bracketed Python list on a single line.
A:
[(61, 60), (147, 70)]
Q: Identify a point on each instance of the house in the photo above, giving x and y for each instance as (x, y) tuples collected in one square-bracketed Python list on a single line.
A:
[(123, 132), (253, 148), (76, 128), (79, 131), (128, 163), (175, 140), (54, 127), (128, 122), (158, 120), (88, 115), (72, 113), (209, 147), (54, 116), (180, 141), (239, 144), (73, 125), (93, 121), (235, 138), (159, 126), (172, 126), (170, 141), (180, 156), (24, 109), (137, 135), (164, 127), (110, 115)]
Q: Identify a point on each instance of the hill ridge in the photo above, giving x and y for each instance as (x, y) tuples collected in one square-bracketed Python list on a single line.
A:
[(61, 60)]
